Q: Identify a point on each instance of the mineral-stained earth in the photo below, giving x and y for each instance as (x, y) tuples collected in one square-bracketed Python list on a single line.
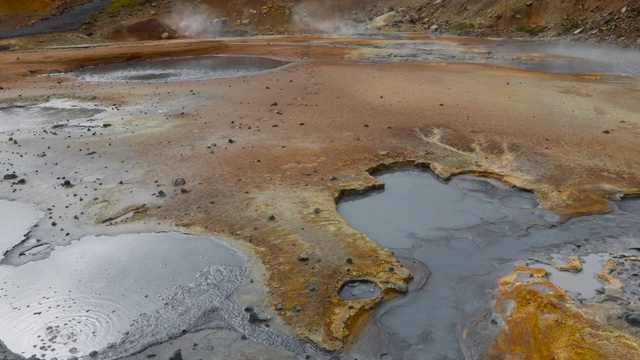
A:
[(265, 156)]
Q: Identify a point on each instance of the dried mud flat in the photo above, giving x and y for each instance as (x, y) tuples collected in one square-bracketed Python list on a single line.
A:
[(265, 156)]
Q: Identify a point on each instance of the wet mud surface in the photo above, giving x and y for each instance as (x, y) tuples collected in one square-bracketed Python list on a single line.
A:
[(178, 69), (259, 160), (468, 233)]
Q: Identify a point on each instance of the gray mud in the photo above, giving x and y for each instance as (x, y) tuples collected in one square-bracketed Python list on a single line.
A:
[(55, 112), (576, 58), (70, 19), (120, 295), (545, 56), (357, 290), (17, 221), (178, 69), (468, 233)]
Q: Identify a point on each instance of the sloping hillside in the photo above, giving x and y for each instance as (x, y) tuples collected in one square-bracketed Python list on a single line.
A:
[(610, 21)]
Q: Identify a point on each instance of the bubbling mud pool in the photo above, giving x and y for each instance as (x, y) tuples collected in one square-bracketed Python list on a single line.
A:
[(93, 294), (458, 238), (178, 69)]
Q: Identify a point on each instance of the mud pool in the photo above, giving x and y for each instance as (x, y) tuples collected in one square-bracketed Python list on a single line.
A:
[(458, 238), (568, 57), (545, 56), (50, 113), (178, 69), (91, 294)]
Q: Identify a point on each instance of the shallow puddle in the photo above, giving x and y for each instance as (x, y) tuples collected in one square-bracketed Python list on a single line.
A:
[(468, 232), (584, 283), (178, 69), (116, 295)]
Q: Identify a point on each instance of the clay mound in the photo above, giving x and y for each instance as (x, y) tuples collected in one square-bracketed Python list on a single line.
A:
[(148, 29)]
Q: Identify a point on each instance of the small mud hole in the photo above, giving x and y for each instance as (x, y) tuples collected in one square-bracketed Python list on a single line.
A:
[(356, 290), (178, 69)]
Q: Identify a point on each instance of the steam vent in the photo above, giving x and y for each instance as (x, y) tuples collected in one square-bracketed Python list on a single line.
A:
[(307, 179)]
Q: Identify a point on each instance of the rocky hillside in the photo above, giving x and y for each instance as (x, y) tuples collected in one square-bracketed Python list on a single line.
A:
[(609, 21)]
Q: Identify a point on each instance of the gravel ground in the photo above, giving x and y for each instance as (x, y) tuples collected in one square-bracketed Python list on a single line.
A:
[(69, 20)]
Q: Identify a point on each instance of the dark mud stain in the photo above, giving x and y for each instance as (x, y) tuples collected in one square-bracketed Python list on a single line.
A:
[(178, 69), (469, 232)]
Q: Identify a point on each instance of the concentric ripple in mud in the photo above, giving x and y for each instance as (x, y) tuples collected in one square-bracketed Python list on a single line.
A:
[(89, 295)]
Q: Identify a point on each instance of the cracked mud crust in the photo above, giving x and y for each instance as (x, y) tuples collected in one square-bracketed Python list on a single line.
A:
[(261, 153)]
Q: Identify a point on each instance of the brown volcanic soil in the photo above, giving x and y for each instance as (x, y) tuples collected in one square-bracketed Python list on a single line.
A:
[(261, 153)]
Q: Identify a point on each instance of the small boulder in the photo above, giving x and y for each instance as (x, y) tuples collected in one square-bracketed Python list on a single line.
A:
[(179, 182)]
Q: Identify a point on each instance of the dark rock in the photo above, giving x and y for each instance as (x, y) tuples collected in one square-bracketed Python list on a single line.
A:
[(176, 355), (22, 181), (349, 261), (317, 210), (633, 319), (254, 318), (67, 184), (10, 177), (280, 306), (272, 217), (93, 353), (606, 132), (295, 308), (179, 182), (303, 257), (161, 194)]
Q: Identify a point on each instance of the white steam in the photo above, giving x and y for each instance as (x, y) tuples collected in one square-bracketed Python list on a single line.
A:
[(198, 22), (318, 16)]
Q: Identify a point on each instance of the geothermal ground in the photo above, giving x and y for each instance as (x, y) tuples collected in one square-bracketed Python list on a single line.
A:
[(189, 207)]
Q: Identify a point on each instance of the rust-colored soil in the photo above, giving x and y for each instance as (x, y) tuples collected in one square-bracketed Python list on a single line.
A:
[(543, 323)]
